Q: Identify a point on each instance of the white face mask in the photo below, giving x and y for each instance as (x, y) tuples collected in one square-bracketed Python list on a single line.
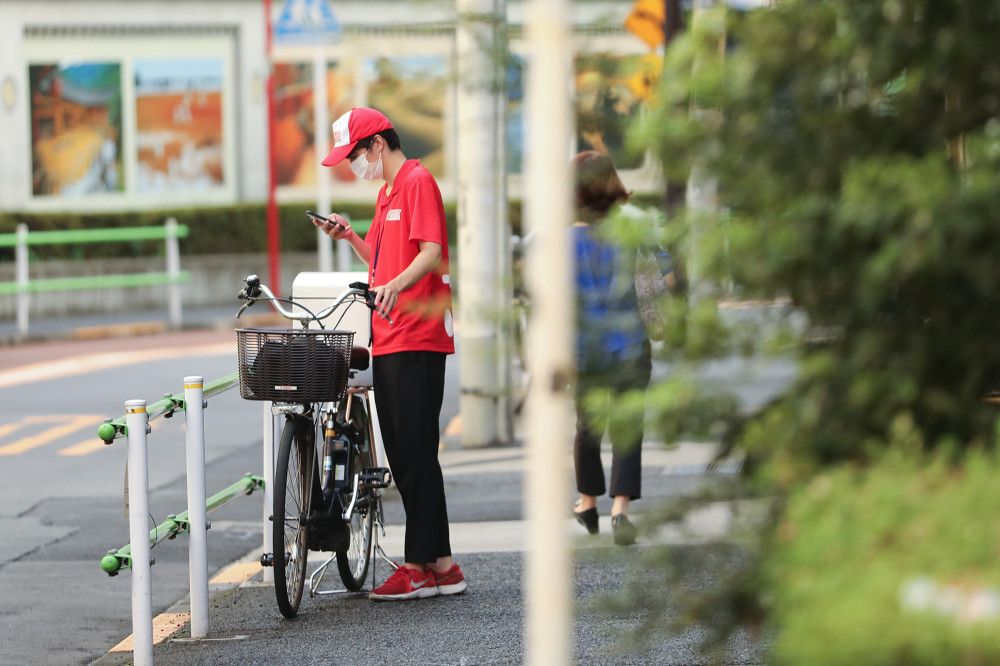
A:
[(366, 170)]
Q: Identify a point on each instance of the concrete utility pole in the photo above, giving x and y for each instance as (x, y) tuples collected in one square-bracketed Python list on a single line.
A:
[(548, 588), (483, 230), (702, 189)]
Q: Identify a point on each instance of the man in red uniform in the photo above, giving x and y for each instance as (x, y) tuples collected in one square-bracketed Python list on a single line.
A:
[(406, 250)]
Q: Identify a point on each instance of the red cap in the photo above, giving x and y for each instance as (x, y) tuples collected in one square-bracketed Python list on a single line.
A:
[(358, 123)]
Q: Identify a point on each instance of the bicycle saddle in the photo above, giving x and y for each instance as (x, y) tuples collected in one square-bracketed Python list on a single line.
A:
[(360, 358)]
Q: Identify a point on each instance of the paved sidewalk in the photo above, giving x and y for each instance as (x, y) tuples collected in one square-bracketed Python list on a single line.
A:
[(484, 625)]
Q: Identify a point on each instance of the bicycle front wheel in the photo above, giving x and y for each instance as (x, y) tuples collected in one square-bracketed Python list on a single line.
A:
[(293, 492), (353, 562)]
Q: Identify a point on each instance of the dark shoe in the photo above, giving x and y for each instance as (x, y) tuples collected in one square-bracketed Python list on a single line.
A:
[(587, 518), (623, 529)]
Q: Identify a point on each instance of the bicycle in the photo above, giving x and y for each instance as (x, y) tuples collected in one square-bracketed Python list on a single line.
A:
[(334, 506)]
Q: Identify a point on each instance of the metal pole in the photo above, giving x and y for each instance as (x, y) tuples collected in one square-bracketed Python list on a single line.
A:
[(479, 275), (548, 588), (23, 297), (268, 485), (380, 456), (194, 419), (504, 294), (324, 244), (138, 493), (174, 271), (273, 219)]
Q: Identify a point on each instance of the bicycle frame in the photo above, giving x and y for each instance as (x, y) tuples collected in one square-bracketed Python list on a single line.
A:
[(370, 477)]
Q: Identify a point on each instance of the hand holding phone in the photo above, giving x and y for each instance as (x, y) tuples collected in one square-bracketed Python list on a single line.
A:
[(321, 221)]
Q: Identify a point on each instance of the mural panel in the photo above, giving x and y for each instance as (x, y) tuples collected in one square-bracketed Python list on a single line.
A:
[(413, 93), (76, 128), (178, 110), (295, 141)]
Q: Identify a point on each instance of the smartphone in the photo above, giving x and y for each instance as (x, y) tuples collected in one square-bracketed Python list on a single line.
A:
[(317, 216)]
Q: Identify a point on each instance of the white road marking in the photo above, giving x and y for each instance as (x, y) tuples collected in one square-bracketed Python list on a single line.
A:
[(93, 362)]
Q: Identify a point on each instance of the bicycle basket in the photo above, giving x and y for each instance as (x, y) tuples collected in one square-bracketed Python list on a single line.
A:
[(293, 365)]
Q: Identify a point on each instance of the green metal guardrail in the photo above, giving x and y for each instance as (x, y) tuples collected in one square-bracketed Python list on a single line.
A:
[(95, 282), (116, 561), (95, 235), (75, 236), (111, 430)]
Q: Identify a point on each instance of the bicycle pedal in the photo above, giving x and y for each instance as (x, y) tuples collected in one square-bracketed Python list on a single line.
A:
[(267, 560), (375, 477)]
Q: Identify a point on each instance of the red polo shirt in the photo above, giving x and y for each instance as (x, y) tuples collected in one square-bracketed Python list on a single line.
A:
[(412, 212)]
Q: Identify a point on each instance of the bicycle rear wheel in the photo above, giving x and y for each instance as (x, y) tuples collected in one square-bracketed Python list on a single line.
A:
[(353, 562), (293, 493)]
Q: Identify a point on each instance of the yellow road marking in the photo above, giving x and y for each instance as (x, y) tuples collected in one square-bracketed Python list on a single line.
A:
[(76, 423), (164, 625), (454, 426), (93, 362), (237, 573), (83, 448), (9, 428)]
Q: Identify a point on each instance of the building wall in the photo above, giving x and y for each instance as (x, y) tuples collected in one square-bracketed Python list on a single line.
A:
[(124, 32), (414, 37)]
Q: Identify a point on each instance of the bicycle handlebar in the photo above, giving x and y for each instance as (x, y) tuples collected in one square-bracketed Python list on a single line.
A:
[(255, 291)]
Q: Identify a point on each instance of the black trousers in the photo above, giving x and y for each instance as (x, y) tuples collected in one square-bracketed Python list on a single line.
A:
[(626, 437), (409, 390)]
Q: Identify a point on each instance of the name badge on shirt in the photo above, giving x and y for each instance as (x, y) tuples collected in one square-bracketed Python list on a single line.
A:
[(393, 214)]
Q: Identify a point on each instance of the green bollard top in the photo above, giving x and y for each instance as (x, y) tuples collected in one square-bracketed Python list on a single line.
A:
[(106, 432), (110, 564)]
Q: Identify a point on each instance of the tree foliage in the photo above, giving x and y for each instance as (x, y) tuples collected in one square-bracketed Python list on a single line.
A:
[(856, 151), (856, 148)]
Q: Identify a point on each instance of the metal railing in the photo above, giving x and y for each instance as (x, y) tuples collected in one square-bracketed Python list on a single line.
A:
[(135, 555), (121, 559), (23, 286), (169, 405)]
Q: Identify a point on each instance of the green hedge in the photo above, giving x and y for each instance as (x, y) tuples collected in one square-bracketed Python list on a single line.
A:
[(236, 229)]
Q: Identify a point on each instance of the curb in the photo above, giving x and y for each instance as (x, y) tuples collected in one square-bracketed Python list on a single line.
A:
[(174, 623), (147, 327)]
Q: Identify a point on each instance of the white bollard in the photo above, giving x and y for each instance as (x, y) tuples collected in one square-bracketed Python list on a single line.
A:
[(194, 419), (174, 270), (138, 515), (268, 485), (21, 270)]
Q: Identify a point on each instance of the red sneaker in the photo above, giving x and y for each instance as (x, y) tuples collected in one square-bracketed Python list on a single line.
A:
[(406, 583), (451, 581)]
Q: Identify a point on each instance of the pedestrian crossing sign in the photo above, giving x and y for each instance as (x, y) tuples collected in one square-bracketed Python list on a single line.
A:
[(307, 22)]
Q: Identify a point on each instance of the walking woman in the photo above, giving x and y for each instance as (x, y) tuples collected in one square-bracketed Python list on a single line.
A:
[(612, 347)]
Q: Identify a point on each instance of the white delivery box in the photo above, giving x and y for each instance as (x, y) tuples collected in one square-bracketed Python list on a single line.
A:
[(317, 291)]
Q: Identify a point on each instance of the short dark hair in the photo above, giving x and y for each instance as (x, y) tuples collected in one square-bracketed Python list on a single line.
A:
[(597, 185), (390, 136)]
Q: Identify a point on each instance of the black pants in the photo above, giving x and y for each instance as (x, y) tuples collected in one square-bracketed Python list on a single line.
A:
[(626, 438), (409, 389)]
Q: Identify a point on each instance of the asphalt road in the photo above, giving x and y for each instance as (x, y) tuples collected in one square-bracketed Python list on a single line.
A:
[(61, 489), (61, 510)]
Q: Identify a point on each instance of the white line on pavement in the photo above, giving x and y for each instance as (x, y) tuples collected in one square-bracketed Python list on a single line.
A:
[(92, 362)]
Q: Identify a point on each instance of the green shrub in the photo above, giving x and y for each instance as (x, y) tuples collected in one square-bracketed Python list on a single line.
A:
[(893, 564)]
